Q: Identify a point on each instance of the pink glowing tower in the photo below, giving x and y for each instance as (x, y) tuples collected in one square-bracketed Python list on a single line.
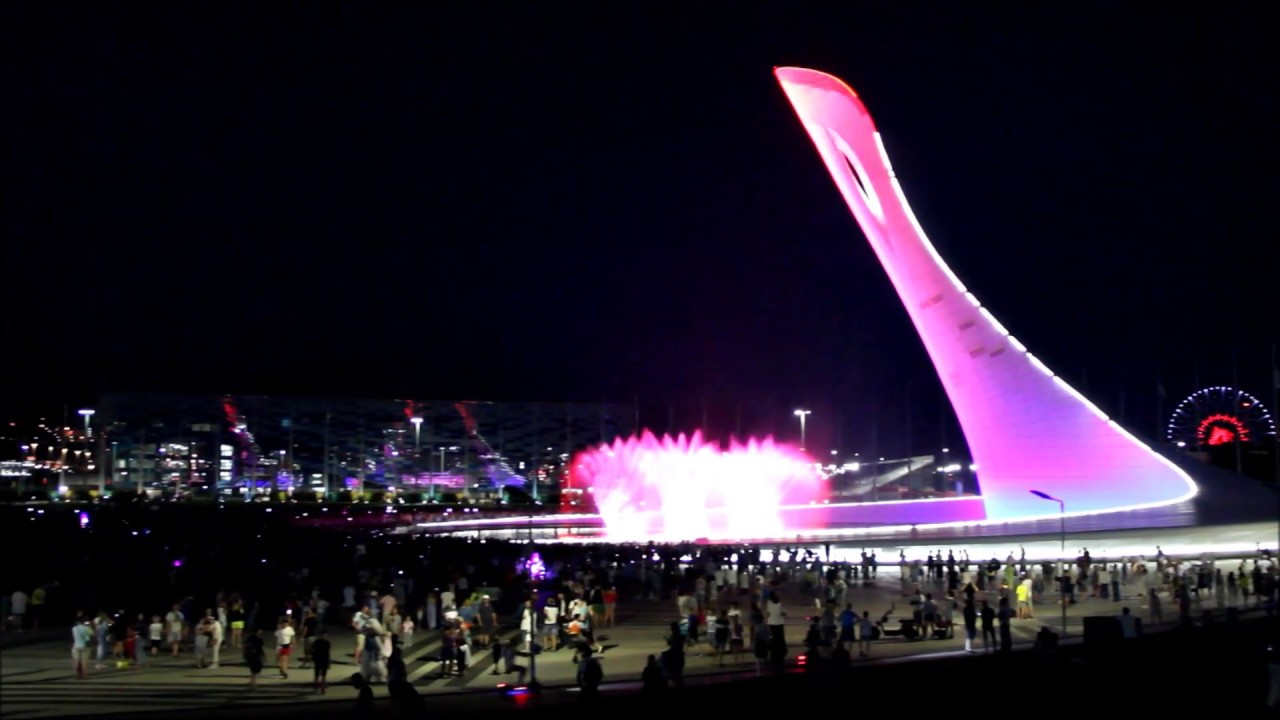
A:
[(1027, 428)]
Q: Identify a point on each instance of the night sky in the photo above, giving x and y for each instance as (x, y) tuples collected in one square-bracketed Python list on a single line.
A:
[(617, 202)]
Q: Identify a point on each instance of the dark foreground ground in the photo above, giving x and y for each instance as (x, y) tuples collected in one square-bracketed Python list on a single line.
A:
[(1225, 667)]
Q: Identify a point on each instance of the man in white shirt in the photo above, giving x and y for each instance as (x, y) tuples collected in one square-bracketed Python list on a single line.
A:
[(527, 626), (448, 599), (551, 624), (358, 623), (175, 624)]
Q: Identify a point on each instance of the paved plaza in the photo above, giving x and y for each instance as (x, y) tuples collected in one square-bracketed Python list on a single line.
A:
[(37, 679)]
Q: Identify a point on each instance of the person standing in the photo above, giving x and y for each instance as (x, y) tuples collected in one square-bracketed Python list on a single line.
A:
[(321, 651), (358, 623), (216, 636), (155, 634), (18, 610), (141, 634), (970, 625), (988, 616), (1005, 615), (81, 639), (235, 616), (406, 631), (310, 630), (101, 625), (254, 656), (866, 633), (432, 612), (610, 595), (202, 640), (174, 622), (37, 607), (487, 622)]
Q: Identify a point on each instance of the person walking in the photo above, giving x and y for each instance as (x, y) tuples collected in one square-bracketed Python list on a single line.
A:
[(284, 645)]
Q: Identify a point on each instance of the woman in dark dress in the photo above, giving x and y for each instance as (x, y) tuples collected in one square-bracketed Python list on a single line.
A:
[(761, 645)]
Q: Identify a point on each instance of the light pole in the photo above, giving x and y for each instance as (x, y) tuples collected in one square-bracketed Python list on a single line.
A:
[(87, 414), (417, 445), (433, 482), (534, 686), (1062, 531), (802, 414)]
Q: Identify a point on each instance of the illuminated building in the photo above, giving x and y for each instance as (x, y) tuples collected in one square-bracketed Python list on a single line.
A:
[(254, 442)]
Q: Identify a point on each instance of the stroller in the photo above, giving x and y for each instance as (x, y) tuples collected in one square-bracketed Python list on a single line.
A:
[(943, 629), (908, 628)]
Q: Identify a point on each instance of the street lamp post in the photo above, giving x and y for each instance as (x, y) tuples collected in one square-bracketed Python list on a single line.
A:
[(802, 414), (1062, 533), (417, 445), (275, 477), (433, 482), (87, 414), (533, 685)]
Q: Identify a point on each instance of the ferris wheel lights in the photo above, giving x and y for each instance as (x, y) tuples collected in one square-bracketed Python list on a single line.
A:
[(1219, 415)]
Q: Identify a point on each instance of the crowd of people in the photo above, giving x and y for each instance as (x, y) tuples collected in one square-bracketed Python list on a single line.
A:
[(271, 595)]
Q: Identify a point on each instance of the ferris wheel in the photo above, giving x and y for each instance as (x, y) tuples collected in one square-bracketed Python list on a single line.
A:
[(1219, 415)]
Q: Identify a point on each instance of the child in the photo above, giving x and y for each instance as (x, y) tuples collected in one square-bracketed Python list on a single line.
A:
[(406, 632), (155, 634)]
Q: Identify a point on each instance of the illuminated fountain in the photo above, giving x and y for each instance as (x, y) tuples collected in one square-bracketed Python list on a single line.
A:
[(686, 488)]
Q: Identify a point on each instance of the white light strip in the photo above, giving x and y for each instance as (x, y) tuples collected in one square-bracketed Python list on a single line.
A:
[(1017, 345), (994, 322), (1035, 361), (884, 154), (528, 519), (1080, 398)]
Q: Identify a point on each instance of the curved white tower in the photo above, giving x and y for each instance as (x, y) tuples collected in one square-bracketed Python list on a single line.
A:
[(1027, 428)]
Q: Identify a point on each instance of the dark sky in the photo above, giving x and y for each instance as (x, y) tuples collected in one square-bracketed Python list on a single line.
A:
[(487, 202)]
